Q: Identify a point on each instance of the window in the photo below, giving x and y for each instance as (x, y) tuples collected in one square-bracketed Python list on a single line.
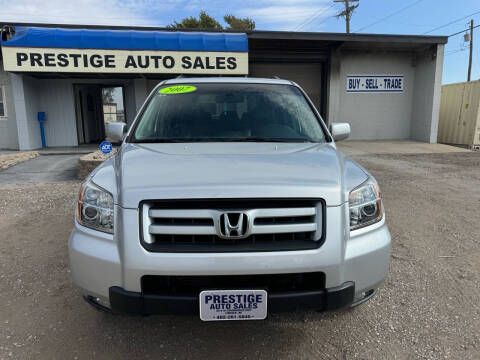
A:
[(3, 108), (230, 112), (113, 109)]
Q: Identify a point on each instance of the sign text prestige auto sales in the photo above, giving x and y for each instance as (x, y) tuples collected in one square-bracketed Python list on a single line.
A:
[(123, 61)]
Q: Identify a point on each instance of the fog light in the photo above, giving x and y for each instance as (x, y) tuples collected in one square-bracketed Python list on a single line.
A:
[(99, 303), (363, 295), (102, 302)]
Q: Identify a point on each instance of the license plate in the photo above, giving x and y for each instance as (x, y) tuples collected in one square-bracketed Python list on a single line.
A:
[(218, 305)]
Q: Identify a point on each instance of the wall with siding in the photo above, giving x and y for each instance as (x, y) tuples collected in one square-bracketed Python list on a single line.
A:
[(412, 114), (33, 139), (8, 124), (427, 88), (25, 102), (56, 98), (373, 116)]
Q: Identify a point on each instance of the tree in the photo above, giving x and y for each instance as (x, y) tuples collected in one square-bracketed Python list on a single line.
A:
[(205, 21), (107, 95), (235, 23)]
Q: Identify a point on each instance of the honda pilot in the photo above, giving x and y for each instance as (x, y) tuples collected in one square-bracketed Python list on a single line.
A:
[(229, 200)]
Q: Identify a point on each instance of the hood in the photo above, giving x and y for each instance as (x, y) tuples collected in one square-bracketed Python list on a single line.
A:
[(232, 170)]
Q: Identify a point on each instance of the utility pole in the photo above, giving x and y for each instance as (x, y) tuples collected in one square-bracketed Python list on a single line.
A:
[(471, 51), (347, 13)]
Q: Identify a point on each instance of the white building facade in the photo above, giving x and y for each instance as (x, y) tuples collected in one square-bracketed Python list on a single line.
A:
[(385, 86)]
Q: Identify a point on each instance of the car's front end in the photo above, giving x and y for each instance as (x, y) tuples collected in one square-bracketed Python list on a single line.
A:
[(166, 227)]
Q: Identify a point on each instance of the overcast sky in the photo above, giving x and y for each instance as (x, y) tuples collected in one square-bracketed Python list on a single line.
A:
[(373, 16)]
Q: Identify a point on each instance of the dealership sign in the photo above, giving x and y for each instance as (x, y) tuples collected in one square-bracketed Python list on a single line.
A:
[(146, 52), (375, 83), (108, 61)]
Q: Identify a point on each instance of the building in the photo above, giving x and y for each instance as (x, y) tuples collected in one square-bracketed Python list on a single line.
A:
[(385, 86)]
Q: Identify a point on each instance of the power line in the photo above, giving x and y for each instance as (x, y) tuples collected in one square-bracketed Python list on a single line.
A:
[(310, 18), (455, 51), (451, 22), (313, 17), (461, 32), (390, 15)]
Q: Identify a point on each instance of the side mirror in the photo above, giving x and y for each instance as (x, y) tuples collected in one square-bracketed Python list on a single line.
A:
[(340, 131), (115, 131)]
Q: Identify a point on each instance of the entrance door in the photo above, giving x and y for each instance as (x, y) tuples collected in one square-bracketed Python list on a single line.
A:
[(90, 123)]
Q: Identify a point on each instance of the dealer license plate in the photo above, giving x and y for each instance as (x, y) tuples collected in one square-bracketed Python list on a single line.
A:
[(218, 305)]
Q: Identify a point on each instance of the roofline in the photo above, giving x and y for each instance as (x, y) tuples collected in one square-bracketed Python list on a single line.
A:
[(226, 79), (112, 27), (267, 34), (354, 37)]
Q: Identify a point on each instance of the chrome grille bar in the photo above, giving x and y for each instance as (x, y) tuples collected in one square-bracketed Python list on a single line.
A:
[(302, 222), (281, 229), (182, 214), (182, 230), (284, 212)]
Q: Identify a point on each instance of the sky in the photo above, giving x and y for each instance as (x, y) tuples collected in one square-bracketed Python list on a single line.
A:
[(372, 16)]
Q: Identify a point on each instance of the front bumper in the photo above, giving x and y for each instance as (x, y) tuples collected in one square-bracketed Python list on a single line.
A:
[(100, 262), (136, 303)]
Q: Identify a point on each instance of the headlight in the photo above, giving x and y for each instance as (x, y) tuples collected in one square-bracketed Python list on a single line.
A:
[(365, 205), (95, 208)]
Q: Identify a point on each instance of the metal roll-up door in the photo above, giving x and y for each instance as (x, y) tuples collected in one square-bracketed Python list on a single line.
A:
[(307, 75)]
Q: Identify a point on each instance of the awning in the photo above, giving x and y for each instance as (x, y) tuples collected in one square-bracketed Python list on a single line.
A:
[(39, 49), (126, 39)]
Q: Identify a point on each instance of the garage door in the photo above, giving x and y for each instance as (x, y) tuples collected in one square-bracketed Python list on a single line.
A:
[(308, 76)]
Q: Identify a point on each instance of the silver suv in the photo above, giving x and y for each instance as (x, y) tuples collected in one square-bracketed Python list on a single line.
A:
[(229, 199)]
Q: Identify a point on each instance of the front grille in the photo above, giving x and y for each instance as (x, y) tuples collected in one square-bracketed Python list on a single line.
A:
[(258, 225), (193, 285)]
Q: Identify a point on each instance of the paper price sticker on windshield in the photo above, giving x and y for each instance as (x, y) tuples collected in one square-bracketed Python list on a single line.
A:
[(218, 305), (179, 89)]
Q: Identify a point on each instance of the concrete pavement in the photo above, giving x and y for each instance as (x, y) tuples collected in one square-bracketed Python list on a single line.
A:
[(43, 169), (395, 147)]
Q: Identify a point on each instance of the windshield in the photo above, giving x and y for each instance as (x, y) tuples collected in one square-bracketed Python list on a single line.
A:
[(228, 112)]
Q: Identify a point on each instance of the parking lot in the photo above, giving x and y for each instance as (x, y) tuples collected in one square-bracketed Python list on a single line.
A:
[(428, 308)]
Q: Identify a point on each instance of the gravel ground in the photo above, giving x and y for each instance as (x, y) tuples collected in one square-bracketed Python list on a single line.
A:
[(12, 158), (428, 307)]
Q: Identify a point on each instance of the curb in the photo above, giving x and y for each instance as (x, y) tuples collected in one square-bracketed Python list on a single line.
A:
[(87, 163)]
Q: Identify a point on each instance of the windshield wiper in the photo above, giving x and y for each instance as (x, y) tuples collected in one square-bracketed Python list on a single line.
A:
[(166, 140), (261, 139), (205, 139)]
